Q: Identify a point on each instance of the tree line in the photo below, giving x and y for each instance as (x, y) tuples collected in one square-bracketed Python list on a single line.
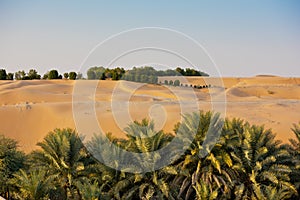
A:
[(146, 74), (245, 162), (33, 74)]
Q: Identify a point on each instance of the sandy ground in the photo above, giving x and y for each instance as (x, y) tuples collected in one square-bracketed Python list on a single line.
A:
[(30, 109)]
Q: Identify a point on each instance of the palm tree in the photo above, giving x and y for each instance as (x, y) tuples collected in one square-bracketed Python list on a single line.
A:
[(132, 184), (294, 149), (273, 193), (11, 160), (36, 185), (89, 190), (63, 153), (203, 191), (205, 162), (258, 159)]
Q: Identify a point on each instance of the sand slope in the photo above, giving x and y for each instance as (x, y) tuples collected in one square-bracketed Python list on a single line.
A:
[(30, 109)]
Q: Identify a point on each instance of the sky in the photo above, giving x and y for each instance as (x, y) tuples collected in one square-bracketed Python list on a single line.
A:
[(243, 38)]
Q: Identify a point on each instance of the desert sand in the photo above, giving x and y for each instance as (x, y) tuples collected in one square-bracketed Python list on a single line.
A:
[(30, 109)]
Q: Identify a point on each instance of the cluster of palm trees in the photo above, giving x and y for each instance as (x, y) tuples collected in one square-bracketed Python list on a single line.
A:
[(228, 159)]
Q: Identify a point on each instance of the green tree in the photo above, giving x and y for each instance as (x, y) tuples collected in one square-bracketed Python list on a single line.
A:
[(91, 75), (103, 77), (294, 149), (202, 130), (143, 138), (20, 75), (45, 76), (3, 74), (63, 153), (66, 75), (33, 74), (36, 185), (96, 73), (11, 160), (176, 83), (88, 190), (72, 75), (10, 76), (115, 76), (53, 74), (180, 71), (258, 160)]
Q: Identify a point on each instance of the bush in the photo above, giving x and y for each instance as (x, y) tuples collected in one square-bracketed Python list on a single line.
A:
[(91, 75), (45, 76), (53, 74), (10, 76), (66, 75), (72, 75), (3, 74), (32, 74), (176, 83)]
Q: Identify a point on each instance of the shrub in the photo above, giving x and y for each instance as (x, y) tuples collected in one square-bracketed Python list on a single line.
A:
[(66, 75), (72, 75), (3, 74), (32, 74), (176, 83), (10, 76), (53, 74)]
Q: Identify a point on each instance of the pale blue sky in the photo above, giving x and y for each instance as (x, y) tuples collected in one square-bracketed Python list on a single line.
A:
[(244, 38)]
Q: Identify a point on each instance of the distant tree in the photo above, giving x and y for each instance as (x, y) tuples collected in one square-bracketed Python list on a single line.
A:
[(46, 75), (108, 73), (66, 75), (115, 76), (33, 74), (171, 82), (166, 82), (20, 75), (96, 73), (53, 74), (91, 75), (103, 77), (180, 71), (176, 83), (79, 75), (170, 72), (152, 79), (143, 78), (59, 76), (72, 75), (3, 74), (10, 76)]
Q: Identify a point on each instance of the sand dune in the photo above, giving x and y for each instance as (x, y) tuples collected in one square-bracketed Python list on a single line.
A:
[(30, 109)]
